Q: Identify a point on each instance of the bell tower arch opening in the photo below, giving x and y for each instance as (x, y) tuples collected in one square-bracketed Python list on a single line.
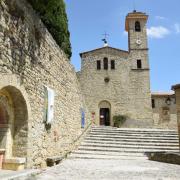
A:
[(104, 113)]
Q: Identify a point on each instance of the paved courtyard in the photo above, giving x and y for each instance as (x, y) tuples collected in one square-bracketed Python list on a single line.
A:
[(95, 169)]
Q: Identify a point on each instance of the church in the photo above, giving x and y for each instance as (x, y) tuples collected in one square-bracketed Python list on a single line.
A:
[(46, 108), (117, 82)]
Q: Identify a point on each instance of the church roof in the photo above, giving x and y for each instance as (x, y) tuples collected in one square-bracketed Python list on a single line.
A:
[(105, 48), (162, 93)]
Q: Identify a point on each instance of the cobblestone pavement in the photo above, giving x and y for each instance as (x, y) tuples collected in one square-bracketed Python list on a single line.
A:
[(95, 169)]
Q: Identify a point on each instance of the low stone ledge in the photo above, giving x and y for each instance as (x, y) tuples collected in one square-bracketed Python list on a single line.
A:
[(14, 164), (54, 160), (2, 151), (172, 158), (15, 160)]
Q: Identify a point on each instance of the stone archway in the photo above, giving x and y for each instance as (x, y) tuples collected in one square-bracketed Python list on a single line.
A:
[(105, 113), (14, 123)]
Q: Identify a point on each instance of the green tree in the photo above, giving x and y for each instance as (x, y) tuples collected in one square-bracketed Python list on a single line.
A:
[(53, 14)]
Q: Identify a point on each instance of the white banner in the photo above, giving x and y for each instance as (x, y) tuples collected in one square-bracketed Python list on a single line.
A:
[(50, 94)]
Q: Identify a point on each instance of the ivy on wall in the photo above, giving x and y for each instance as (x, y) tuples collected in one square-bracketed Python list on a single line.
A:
[(53, 14)]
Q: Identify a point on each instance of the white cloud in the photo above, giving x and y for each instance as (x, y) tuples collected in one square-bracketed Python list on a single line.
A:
[(158, 32), (177, 27), (160, 17)]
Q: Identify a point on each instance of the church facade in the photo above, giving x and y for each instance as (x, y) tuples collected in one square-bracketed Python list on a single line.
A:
[(117, 82)]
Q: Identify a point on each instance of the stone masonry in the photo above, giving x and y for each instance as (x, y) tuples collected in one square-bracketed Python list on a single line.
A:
[(164, 110), (30, 60)]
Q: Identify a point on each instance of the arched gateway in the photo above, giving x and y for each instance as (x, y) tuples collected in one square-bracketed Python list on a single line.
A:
[(105, 113), (13, 122)]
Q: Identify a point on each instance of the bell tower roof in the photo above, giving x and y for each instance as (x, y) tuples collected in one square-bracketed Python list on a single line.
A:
[(135, 15)]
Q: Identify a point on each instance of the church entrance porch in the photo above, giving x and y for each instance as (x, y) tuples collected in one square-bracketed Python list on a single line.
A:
[(104, 117), (104, 113)]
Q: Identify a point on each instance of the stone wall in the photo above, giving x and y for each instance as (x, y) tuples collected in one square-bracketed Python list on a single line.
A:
[(30, 60), (164, 114), (176, 88)]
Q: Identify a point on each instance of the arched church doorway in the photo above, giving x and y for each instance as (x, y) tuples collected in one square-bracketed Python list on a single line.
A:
[(13, 122), (105, 113)]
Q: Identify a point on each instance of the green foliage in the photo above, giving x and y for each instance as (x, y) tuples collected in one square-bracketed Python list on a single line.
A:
[(119, 120), (53, 14)]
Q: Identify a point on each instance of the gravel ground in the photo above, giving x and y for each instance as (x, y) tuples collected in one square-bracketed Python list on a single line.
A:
[(98, 169)]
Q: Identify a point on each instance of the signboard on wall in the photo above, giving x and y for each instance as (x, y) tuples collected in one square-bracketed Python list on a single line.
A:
[(82, 118), (49, 105)]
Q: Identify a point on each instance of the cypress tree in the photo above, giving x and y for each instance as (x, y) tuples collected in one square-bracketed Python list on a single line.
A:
[(53, 14)]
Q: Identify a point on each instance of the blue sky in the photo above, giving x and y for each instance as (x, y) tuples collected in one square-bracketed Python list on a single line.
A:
[(89, 19)]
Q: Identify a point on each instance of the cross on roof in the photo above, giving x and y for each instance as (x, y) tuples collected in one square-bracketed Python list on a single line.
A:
[(134, 6), (105, 38), (105, 35)]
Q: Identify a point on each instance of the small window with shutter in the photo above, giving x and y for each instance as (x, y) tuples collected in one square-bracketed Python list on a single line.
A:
[(112, 64), (106, 63), (139, 64), (98, 65), (153, 103)]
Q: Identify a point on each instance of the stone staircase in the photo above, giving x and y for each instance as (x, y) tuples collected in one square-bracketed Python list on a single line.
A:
[(124, 143)]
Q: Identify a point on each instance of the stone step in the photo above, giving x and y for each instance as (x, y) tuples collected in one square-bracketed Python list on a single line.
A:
[(129, 150), (94, 156), (131, 140), (132, 137), (123, 143), (131, 143), (135, 146), (132, 129), (109, 153)]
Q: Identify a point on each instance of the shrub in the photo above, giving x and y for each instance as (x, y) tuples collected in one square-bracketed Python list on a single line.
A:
[(53, 14), (119, 120)]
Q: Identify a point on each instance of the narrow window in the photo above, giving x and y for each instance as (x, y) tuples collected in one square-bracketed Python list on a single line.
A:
[(137, 26), (139, 64), (153, 103), (98, 65), (112, 64), (106, 63)]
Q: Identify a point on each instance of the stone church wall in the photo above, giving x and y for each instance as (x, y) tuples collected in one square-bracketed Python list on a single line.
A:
[(127, 92), (30, 60)]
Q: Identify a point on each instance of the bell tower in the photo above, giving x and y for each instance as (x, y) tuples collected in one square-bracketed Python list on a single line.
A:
[(137, 31), (137, 40), (139, 65)]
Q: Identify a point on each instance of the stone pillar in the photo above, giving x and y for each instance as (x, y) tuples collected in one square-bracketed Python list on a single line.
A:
[(176, 88)]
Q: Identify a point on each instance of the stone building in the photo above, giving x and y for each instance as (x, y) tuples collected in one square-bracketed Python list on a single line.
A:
[(164, 110), (176, 88), (117, 82), (32, 66)]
